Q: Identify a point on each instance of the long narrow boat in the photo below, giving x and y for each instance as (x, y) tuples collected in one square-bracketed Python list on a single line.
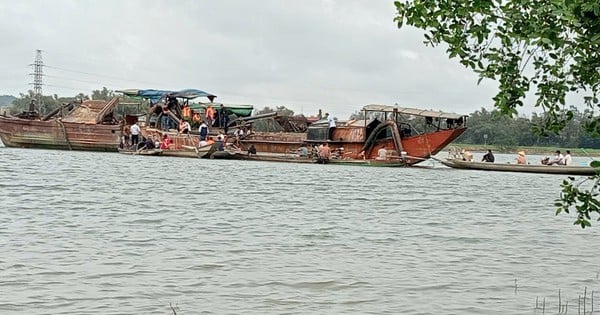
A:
[(522, 168)]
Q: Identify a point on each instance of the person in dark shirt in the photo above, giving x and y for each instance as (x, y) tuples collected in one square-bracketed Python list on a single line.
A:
[(251, 150), (488, 157), (149, 143)]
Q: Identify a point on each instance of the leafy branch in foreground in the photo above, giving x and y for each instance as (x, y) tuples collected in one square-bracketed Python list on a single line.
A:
[(584, 201), (550, 49)]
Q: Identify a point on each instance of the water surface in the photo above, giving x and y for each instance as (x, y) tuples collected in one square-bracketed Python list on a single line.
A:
[(104, 233)]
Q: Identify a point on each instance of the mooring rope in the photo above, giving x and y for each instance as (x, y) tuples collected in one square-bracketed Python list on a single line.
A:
[(65, 133)]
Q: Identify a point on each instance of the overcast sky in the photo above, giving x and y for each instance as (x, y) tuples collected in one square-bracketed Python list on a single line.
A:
[(306, 55)]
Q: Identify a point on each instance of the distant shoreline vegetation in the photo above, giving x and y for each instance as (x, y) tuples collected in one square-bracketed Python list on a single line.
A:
[(528, 149)]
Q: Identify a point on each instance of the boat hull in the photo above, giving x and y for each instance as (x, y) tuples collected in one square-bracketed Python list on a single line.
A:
[(417, 148), (55, 134), (521, 168)]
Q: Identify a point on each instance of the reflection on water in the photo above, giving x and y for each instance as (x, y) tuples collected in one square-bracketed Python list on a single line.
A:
[(102, 233)]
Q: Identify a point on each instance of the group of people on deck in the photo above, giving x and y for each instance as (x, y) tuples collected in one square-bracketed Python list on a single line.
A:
[(558, 159)]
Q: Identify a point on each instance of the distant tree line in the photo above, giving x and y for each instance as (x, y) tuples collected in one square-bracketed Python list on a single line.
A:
[(52, 102), (490, 127)]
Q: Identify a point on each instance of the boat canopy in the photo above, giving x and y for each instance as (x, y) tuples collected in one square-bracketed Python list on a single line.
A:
[(156, 95), (411, 111)]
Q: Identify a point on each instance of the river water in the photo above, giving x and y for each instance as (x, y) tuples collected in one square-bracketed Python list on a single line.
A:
[(104, 233)]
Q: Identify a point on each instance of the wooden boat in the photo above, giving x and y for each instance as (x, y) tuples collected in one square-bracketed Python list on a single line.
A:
[(89, 125), (149, 152), (523, 168), (409, 135), (202, 152)]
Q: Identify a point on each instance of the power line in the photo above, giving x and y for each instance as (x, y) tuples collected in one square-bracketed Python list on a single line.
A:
[(100, 75), (77, 80)]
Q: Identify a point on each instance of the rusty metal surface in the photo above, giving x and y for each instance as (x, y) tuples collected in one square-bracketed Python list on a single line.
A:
[(77, 131), (90, 111)]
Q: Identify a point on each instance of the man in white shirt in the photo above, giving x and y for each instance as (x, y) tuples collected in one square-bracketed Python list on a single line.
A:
[(331, 123), (203, 131), (135, 134), (559, 159)]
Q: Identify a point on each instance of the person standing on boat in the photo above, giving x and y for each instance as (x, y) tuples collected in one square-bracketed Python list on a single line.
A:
[(521, 158), (186, 112), (488, 157), (209, 114), (135, 134), (126, 135), (165, 120), (195, 119), (331, 123), (203, 131), (223, 118)]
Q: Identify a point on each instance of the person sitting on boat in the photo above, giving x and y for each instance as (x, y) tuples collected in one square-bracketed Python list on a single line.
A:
[(303, 151), (381, 153), (324, 153), (150, 143), (488, 157), (568, 158), (252, 150), (545, 161), (184, 127), (239, 133), (165, 143), (220, 141), (521, 158), (467, 155), (559, 159), (203, 131)]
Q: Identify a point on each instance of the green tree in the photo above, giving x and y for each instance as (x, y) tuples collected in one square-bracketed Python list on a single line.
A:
[(550, 48), (104, 94)]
